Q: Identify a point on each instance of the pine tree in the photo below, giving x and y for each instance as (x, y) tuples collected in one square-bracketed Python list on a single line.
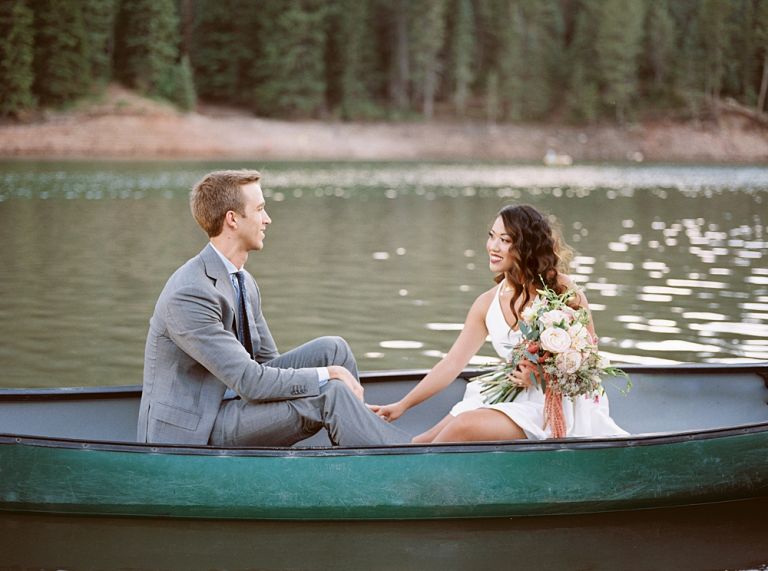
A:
[(542, 52), (62, 58), (583, 101), (16, 53), (147, 44), (99, 19), (219, 48), (689, 65), (618, 44), (427, 38), (659, 44), (400, 61), (182, 91), (761, 19), (462, 53), (490, 22), (492, 104), (530, 58), (511, 63), (740, 52), (713, 36), (291, 73), (355, 46)]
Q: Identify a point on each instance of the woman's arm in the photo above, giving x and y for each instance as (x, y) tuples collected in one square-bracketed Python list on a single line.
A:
[(466, 345)]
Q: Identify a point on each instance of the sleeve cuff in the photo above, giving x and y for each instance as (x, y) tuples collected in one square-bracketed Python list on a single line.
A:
[(322, 376)]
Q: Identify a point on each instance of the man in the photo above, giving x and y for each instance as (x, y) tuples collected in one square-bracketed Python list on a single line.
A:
[(208, 333)]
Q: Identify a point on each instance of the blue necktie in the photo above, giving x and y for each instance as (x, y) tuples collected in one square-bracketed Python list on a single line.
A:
[(244, 330)]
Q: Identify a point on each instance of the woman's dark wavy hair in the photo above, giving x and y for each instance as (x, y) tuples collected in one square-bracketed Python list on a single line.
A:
[(540, 252)]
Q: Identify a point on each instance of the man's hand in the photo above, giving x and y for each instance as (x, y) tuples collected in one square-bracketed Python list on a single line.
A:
[(341, 374)]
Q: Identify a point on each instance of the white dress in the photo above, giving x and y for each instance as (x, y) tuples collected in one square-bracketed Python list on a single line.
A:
[(583, 416)]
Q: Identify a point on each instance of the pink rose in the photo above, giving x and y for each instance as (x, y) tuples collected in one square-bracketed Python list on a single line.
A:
[(555, 339), (568, 362)]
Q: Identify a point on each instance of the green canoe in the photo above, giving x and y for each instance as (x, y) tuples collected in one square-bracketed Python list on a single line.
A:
[(699, 435)]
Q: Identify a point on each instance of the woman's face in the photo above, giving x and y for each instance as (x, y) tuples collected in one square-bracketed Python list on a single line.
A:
[(499, 244)]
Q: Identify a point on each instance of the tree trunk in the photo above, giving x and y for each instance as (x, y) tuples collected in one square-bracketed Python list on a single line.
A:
[(763, 85), (398, 87), (429, 93), (186, 15)]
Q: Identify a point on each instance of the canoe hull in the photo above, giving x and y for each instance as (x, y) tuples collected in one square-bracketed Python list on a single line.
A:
[(73, 451), (411, 482)]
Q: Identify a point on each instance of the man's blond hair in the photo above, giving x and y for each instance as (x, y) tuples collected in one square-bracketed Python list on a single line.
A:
[(218, 193)]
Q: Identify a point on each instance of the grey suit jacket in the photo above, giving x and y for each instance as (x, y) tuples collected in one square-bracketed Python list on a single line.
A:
[(192, 355)]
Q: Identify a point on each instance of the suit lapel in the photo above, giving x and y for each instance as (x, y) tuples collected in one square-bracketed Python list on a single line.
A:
[(217, 272)]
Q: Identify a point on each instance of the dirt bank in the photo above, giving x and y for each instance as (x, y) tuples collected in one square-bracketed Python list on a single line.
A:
[(123, 125)]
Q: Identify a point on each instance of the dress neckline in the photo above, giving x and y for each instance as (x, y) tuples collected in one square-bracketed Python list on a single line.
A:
[(497, 300)]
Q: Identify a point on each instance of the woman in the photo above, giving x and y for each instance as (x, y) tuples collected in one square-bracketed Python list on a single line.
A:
[(523, 250)]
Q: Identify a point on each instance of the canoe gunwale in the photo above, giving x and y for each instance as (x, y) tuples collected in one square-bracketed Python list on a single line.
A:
[(123, 391), (134, 391), (631, 441)]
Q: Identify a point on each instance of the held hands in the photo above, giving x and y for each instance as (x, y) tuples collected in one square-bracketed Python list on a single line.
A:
[(388, 412), (341, 374)]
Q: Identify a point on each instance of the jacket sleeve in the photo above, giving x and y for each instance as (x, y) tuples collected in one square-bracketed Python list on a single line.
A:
[(195, 324)]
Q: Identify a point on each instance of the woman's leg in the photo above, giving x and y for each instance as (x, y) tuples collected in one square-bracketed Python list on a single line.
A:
[(479, 425), (429, 435)]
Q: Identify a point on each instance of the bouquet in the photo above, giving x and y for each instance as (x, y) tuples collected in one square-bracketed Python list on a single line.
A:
[(556, 340)]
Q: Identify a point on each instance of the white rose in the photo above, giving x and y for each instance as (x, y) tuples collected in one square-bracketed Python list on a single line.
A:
[(579, 336), (555, 340), (528, 314), (568, 362), (553, 317), (603, 361)]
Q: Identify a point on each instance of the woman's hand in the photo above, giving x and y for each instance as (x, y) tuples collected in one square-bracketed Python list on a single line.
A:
[(388, 412), (522, 375)]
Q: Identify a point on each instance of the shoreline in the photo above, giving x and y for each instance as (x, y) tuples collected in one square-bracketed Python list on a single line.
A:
[(125, 126)]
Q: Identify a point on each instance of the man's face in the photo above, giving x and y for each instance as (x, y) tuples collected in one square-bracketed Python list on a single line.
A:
[(252, 227)]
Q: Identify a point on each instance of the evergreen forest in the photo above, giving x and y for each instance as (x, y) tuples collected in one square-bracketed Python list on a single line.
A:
[(578, 61)]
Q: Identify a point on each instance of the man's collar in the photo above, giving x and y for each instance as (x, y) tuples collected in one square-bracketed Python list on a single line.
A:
[(231, 268)]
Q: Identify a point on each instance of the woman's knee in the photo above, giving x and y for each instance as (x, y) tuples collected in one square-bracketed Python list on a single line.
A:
[(459, 429), (480, 425)]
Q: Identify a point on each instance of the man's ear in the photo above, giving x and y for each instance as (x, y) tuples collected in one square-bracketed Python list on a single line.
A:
[(230, 219)]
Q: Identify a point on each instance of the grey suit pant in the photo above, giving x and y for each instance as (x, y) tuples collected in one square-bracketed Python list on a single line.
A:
[(285, 422)]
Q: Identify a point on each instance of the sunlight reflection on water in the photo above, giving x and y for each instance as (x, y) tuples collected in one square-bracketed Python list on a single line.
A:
[(671, 257)]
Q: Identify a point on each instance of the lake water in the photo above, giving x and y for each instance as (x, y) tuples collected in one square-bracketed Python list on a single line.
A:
[(727, 536), (388, 255)]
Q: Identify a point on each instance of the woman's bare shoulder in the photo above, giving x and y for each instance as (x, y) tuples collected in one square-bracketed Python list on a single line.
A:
[(564, 280), (483, 301)]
